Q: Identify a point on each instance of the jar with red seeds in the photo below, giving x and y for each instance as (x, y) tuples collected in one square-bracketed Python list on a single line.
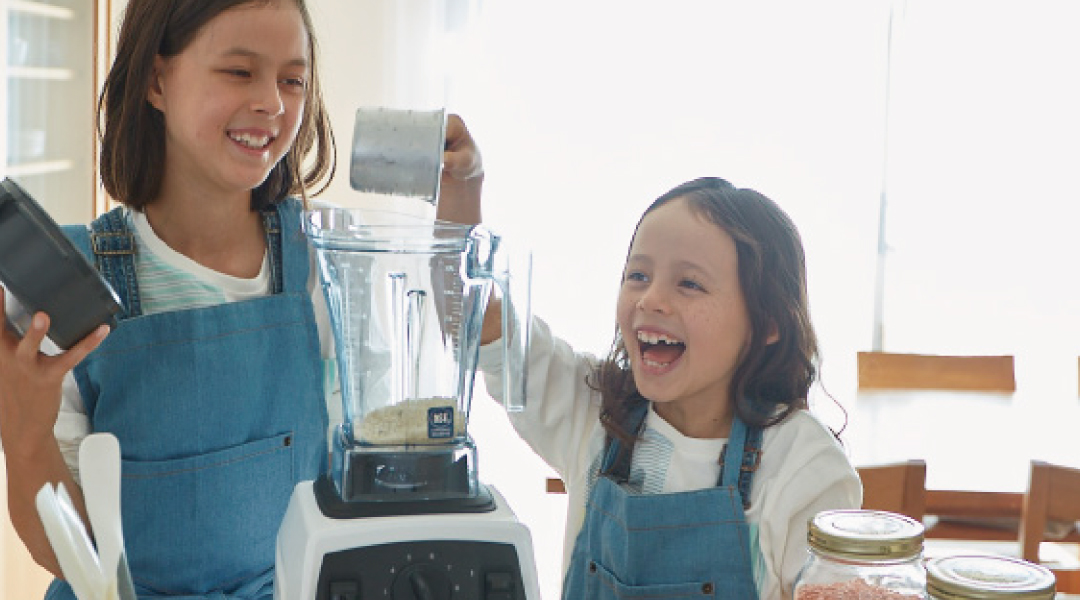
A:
[(864, 555)]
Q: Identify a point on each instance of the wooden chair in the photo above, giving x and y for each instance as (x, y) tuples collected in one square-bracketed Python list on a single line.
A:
[(903, 378), (1053, 496), (886, 370), (897, 487)]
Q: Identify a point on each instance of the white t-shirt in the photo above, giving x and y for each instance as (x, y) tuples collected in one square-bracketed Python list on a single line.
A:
[(172, 282), (803, 468)]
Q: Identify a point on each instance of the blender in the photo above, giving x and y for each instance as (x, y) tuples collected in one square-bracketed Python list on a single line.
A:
[(402, 515)]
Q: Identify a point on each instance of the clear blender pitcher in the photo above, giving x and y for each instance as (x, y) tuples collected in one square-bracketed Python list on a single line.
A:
[(406, 297)]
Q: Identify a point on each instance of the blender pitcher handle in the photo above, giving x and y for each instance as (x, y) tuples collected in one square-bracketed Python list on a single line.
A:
[(514, 282)]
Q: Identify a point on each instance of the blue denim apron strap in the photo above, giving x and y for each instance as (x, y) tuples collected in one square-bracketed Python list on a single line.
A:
[(272, 227), (294, 268), (738, 469), (110, 246), (633, 421)]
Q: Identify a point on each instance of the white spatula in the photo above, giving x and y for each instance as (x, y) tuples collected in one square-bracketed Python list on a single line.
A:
[(87, 557), (99, 464), (63, 544)]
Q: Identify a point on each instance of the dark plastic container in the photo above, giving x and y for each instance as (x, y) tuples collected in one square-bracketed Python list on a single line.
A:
[(44, 271)]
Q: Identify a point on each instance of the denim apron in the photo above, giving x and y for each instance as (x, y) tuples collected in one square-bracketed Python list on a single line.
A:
[(667, 546), (219, 412)]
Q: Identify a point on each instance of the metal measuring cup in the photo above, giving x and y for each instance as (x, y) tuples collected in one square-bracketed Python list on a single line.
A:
[(398, 152)]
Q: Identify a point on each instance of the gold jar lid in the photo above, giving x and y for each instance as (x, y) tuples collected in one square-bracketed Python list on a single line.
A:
[(865, 534), (987, 577)]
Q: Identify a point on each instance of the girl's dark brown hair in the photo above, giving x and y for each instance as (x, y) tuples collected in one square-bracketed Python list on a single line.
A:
[(771, 380), (132, 132)]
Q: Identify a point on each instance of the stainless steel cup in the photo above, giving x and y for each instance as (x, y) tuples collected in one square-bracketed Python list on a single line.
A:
[(398, 152)]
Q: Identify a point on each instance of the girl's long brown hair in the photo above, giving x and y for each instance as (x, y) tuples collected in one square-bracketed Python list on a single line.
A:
[(771, 380), (132, 132)]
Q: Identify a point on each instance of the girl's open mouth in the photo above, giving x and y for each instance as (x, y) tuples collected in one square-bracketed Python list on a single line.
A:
[(658, 350)]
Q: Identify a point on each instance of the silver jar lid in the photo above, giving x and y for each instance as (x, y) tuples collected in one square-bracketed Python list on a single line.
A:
[(866, 534), (987, 577)]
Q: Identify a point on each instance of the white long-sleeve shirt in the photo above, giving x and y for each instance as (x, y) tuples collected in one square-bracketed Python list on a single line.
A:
[(803, 468)]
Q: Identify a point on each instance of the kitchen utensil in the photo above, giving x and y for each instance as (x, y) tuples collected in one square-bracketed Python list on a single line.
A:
[(84, 548), (58, 530), (44, 271), (99, 463), (398, 152)]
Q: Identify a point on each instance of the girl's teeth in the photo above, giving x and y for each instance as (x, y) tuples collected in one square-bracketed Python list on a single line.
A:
[(251, 141), (655, 338)]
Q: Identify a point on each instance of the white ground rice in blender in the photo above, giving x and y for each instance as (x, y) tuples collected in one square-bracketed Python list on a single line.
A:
[(407, 422)]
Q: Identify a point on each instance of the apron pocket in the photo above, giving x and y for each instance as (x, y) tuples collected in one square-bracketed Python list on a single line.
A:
[(603, 584), (206, 522)]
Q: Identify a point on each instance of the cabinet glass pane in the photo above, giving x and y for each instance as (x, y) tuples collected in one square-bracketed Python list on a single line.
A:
[(48, 96)]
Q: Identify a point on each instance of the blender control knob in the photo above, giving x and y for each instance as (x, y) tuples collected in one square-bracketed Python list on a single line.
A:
[(422, 582)]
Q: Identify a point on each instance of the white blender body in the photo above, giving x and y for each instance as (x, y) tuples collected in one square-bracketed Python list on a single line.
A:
[(402, 514), (448, 556)]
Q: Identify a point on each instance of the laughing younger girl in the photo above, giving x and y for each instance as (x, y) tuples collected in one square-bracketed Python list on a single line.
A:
[(692, 461)]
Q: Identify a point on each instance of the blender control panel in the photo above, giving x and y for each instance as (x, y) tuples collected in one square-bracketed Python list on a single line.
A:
[(423, 570)]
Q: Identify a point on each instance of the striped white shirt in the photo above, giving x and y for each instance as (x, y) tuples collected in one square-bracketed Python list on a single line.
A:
[(170, 281)]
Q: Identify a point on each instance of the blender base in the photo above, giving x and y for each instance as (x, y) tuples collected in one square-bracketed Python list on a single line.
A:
[(446, 556), (395, 473), (331, 504)]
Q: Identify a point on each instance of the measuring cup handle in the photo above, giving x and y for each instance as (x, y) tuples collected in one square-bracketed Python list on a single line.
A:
[(515, 284)]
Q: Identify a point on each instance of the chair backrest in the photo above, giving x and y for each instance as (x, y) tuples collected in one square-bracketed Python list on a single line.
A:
[(887, 370), (1053, 495), (896, 487)]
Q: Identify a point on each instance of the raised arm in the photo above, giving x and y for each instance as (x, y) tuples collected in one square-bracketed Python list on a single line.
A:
[(460, 199)]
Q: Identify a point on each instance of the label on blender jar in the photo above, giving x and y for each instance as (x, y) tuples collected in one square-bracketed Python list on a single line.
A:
[(441, 422)]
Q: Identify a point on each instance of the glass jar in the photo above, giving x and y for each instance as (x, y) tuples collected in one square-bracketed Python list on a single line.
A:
[(987, 577), (864, 554)]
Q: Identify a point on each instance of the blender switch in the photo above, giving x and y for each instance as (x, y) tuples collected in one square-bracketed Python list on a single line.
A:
[(344, 590), (500, 586), (500, 582)]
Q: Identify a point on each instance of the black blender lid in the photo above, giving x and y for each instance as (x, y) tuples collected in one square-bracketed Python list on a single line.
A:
[(44, 271)]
